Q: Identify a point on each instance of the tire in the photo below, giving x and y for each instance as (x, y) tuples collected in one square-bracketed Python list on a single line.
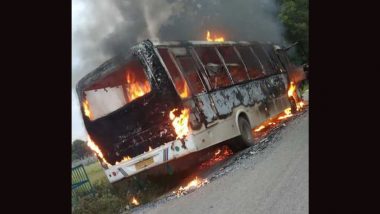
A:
[(246, 136)]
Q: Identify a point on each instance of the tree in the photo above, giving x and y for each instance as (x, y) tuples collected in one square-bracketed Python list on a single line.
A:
[(80, 150), (294, 14)]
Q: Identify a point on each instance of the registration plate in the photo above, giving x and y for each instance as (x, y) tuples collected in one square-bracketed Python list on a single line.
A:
[(144, 163)]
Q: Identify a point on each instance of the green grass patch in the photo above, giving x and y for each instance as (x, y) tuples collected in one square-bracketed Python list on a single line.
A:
[(95, 173)]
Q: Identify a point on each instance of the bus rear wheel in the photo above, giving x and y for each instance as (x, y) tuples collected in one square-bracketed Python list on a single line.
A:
[(246, 136)]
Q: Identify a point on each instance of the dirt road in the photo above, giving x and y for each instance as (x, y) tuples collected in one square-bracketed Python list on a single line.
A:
[(273, 179)]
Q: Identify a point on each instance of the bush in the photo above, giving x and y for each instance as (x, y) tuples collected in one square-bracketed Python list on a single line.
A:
[(104, 201)]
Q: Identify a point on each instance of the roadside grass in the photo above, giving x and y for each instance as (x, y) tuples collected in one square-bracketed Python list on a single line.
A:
[(95, 173), (116, 197)]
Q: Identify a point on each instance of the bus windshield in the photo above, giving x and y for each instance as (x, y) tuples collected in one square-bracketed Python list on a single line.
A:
[(115, 90)]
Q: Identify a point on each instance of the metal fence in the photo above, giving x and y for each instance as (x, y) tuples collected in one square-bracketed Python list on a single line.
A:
[(80, 184)]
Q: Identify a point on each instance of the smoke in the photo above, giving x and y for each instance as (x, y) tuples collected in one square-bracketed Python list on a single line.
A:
[(102, 29)]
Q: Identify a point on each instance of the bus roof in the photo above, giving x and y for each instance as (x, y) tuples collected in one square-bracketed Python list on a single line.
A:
[(113, 63), (195, 43)]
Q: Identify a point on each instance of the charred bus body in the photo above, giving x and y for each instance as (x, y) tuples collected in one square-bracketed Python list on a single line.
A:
[(130, 101)]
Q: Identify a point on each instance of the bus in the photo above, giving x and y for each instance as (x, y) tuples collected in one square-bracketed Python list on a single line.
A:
[(161, 101)]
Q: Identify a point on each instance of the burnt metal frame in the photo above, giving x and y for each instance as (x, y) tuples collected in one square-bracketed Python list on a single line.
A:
[(206, 81), (181, 70), (241, 60)]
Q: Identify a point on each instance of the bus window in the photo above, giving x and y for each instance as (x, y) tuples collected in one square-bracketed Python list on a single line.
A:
[(187, 64), (233, 63), (278, 68), (214, 67), (179, 82), (284, 58), (264, 59), (250, 60), (116, 90)]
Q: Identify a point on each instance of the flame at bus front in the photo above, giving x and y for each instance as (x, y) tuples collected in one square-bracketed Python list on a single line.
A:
[(86, 108), (127, 158), (216, 39), (96, 149), (135, 88), (180, 123)]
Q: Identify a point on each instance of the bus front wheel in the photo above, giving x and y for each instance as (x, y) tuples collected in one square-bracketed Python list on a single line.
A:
[(246, 136)]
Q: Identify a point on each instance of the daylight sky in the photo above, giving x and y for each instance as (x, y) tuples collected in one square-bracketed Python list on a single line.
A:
[(77, 126)]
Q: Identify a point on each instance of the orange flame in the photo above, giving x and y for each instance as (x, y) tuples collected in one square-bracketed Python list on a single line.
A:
[(180, 123), (286, 113), (134, 201), (96, 149), (195, 183), (127, 158), (216, 39), (185, 92), (292, 89), (135, 88), (300, 105), (259, 128), (221, 154), (86, 108)]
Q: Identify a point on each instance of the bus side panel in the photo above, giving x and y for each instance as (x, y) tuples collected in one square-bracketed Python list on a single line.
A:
[(259, 100), (247, 94), (206, 108), (278, 100)]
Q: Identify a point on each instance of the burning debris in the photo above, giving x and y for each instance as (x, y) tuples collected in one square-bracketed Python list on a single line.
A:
[(216, 39), (287, 113), (220, 154), (259, 128), (180, 123), (134, 201), (191, 186)]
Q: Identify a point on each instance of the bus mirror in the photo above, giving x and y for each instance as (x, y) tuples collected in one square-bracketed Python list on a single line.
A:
[(291, 46)]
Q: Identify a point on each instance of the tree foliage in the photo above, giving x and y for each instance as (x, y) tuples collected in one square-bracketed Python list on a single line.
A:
[(294, 14), (79, 150)]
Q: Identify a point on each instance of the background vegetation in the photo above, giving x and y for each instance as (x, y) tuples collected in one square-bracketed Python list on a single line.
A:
[(79, 150), (294, 14)]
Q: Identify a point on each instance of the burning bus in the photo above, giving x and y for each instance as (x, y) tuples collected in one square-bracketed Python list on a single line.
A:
[(165, 100)]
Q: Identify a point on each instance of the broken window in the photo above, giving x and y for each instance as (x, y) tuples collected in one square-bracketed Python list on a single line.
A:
[(116, 90), (264, 59), (178, 80), (188, 67), (276, 64), (234, 64), (283, 58), (218, 75), (250, 60)]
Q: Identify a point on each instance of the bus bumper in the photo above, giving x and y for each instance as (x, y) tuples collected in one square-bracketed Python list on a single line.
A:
[(149, 159)]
